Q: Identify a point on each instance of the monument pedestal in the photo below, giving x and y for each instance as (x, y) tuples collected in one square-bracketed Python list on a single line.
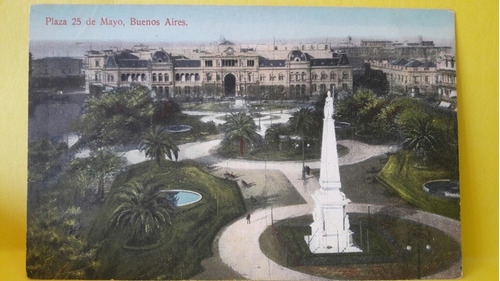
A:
[(330, 232)]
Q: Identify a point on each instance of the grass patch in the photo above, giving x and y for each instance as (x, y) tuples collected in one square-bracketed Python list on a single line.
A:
[(186, 242), (401, 175), (266, 152), (384, 253)]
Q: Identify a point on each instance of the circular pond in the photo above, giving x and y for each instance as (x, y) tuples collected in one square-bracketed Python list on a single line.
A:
[(183, 197), (178, 128), (443, 188)]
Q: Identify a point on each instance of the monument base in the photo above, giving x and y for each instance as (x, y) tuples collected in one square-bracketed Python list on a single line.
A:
[(332, 244)]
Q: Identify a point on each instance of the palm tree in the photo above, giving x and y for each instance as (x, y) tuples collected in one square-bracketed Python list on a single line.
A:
[(143, 212), (273, 135), (241, 127), (156, 143), (302, 123), (421, 136), (98, 166)]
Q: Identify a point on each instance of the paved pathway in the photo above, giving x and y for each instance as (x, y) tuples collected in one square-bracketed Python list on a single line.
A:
[(239, 243)]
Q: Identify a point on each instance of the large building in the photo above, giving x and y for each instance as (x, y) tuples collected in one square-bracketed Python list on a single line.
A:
[(409, 77), (226, 70)]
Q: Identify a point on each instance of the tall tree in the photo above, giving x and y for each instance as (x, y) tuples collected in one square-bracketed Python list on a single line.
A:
[(241, 127), (99, 165), (156, 143), (303, 122), (143, 211)]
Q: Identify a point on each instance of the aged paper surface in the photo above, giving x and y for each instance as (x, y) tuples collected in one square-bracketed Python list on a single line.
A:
[(178, 142)]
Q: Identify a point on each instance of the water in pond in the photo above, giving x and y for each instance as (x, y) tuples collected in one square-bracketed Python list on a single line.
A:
[(183, 197)]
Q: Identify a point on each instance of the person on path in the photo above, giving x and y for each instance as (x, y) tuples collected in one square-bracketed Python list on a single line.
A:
[(248, 219)]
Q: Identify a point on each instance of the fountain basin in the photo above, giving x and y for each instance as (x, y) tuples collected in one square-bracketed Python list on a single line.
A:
[(443, 188), (183, 197), (178, 128)]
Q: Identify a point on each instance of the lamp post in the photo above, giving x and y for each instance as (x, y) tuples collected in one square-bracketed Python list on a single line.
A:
[(418, 241)]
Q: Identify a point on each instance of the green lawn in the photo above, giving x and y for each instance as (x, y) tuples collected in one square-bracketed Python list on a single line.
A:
[(266, 152), (186, 243), (401, 175)]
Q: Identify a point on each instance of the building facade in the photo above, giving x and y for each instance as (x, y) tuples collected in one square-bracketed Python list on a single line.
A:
[(408, 77), (226, 71)]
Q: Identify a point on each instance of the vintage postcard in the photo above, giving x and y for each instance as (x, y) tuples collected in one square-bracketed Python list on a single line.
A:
[(241, 142)]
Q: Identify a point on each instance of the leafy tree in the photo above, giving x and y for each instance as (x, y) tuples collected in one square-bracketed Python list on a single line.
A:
[(41, 155), (241, 127), (117, 117), (99, 165), (421, 136), (375, 80), (143, 212), (156, 144), (54, 250)]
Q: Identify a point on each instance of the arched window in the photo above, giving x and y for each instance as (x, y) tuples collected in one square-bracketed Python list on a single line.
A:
[(323, 76), (192, 77), (166, 78), (177, 77), (332, 75), (160, 77), (124, 77), (322, 88), (196, 77), (303, 89), (297, 76), (303, 76), (183, 77)]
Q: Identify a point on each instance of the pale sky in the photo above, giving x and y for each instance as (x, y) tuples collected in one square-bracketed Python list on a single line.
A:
[(238, 23)]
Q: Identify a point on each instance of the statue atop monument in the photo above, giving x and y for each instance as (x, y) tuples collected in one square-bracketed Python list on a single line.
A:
[(328, 109)]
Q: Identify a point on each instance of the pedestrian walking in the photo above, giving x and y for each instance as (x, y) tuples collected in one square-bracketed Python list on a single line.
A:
[(248, 219)]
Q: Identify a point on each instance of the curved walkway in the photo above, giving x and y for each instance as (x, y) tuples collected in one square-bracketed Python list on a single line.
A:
[(239, 243)]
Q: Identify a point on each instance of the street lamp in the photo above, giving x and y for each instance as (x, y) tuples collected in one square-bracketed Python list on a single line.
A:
[(418, 241)]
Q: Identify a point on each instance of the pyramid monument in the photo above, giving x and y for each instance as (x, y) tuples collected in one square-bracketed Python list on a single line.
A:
[(330, 231)]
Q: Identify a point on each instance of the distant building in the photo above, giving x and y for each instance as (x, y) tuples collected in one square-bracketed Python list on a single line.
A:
[(392, 50), (409, 77), (224, 70), (446, 83), (57, 66)]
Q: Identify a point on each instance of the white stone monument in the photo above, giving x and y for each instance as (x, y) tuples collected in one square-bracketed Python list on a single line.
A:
[(330, 231)]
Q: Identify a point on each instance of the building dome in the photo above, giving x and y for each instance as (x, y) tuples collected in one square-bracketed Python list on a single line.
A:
[(161, 57), (297, 56)]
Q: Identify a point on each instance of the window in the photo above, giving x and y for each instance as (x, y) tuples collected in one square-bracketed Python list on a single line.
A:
[(97, 63), (209, 76), (314, 87), (314, 76), (345, 75), (229, 63), (344, 86), (303, 76), (322, 88), (250, 63), (332, 75), (111, 78), (271, 77), (323, 76), (262, 77), (281, 77), (166, 78), (217, 77), (177, 77), (160, 77), (208, 63)]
